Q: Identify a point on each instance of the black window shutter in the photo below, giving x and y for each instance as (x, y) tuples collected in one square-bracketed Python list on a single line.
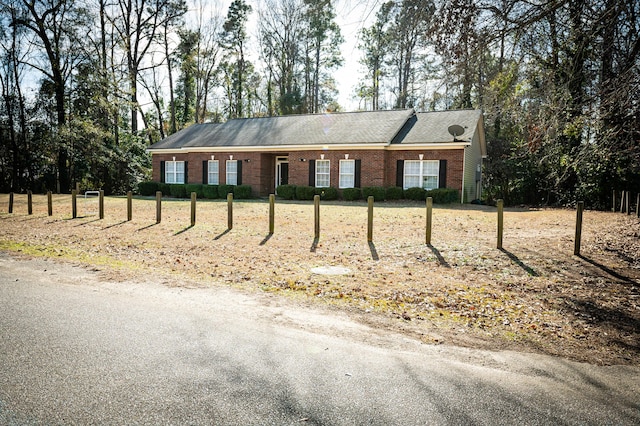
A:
[(205, 172), (358, 173), (400, 173), (312, 172), (162, 179), (186, 172), (239, 181), (442, 179)]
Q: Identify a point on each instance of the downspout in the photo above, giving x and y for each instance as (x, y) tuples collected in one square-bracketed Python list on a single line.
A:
[(464, 171)]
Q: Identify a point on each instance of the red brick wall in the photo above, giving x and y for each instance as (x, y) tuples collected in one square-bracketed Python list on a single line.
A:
[(372, 166), (455, 163), (378, 166)]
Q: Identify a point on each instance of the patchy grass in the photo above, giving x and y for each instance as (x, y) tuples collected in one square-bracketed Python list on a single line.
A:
[(533, 295)]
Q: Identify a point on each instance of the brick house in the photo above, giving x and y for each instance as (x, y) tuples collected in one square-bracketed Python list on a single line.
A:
[(343, 150)]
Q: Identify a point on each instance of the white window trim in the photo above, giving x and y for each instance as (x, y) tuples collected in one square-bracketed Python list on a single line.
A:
[(171, 176), (352, 175), (231, 177), (421, 174), (215, 175), (328, 173)]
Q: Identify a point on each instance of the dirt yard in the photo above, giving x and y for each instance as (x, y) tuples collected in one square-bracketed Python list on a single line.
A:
[(534, 295)]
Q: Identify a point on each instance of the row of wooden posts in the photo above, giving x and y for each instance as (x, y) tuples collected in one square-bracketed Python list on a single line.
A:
[(625, 203), (316, 203)]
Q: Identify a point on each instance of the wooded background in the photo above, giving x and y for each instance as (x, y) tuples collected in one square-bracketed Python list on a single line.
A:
[(87, 85)]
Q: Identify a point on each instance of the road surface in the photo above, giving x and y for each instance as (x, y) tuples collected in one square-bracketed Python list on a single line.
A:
[(78, 350)]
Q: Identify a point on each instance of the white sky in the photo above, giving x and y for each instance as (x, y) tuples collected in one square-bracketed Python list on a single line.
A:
[(352, 16)]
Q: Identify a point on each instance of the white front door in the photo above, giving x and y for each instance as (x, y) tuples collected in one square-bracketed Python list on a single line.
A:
[(282, 171)]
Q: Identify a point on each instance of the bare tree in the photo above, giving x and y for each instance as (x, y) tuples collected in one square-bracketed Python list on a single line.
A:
[(281, 27), (138, 24)]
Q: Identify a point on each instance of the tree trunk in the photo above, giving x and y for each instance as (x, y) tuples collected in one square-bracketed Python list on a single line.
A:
[(172, 103)]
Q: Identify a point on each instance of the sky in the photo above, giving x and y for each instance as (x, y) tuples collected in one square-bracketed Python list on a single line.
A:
[(352, 16)]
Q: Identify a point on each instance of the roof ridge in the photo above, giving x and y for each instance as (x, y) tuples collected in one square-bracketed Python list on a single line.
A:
[(317, 114)]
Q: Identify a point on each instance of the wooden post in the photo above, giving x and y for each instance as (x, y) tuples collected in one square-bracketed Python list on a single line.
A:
[(193, 208), (370, 218), (101, 204), (638, 205), (29, 202), (628, 206), (316, 210), (429, 211), (230, 210), (272, 213), (74, 203), (576, 247), (613, 204), (622, 202), (158, 206), (129, 206), (49, 203), (500, 222), (11, 202)]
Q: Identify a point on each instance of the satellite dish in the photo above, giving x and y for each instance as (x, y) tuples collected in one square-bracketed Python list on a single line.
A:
[(456, 130)]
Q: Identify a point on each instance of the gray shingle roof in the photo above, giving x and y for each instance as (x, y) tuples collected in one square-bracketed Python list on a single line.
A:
[(432, 127), (367, 127)]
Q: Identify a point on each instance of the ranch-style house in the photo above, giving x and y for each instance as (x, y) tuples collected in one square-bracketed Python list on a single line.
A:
[(401, 148)]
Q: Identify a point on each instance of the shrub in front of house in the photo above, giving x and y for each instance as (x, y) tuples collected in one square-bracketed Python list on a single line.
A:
[(288, 192), (147, 188), (177, 190), (194, 187), (305, 192), (351, 194), (394, 193), (444, 195), (415, 193), (377, 192), (242, 192), (165, 188), (210, 191), (224, 190), (328, 194)]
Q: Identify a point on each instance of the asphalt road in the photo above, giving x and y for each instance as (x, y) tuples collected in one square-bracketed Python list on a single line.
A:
[(77, 350)]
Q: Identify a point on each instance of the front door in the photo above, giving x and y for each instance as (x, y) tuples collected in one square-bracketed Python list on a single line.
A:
[(282, 171)]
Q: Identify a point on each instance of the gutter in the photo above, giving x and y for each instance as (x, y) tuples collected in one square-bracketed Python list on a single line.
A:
[(341, 147)]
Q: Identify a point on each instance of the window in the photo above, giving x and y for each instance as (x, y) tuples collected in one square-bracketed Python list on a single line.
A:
[(213, 174), (347, 173), (421, 173), (322, 174), (232, 172), (174, 172)]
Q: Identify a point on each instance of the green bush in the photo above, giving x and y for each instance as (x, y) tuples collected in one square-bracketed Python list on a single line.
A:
[(147, 188), (305, 192), (415, 193), (351, 194), (288, 192), (224, 190), (210, 191), (242, 192), (194, 187), (165, 188), (444, 195), (377, 192), (394, 193), (178, 191), (328, 194)]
